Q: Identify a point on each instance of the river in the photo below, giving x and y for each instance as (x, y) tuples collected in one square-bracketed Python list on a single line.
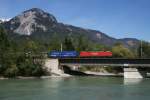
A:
[(75, 88)]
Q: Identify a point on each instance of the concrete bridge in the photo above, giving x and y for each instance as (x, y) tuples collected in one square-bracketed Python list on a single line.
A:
[(132, 67)]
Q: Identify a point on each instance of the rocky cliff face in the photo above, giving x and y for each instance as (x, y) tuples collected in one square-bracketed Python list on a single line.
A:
[(31, 21), (37, 23)]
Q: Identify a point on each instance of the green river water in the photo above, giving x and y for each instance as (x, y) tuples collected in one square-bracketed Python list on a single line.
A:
[(75, 88)]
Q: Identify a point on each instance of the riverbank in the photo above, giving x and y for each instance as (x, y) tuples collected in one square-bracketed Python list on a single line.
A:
[(88, 73), (42, 77)]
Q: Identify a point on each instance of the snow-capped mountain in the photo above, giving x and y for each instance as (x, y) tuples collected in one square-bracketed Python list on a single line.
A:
[(2, 20)]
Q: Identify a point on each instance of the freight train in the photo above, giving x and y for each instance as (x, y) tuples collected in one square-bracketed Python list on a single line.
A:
[(75, 54)]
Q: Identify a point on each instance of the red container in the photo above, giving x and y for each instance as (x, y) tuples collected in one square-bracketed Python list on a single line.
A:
[(95, 54)]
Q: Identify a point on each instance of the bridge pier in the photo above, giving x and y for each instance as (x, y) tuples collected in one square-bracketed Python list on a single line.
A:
[(52, 66), (134, 73)]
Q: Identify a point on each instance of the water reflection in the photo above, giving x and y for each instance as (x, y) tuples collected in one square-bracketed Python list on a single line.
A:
[(132, 81)]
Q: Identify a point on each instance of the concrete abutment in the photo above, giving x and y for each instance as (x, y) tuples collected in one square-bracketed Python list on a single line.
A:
[(53, 67), (134, 73)]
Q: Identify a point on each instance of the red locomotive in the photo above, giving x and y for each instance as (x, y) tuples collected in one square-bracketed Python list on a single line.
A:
[(95, 54)]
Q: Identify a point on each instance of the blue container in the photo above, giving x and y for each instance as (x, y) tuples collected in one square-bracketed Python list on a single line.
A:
[(54, 54), (63, 54), (69, 54)]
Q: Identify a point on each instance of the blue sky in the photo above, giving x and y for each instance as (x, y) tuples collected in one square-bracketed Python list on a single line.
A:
[(117, 18)]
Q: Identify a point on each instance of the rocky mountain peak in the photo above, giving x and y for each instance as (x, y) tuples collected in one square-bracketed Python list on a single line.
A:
[(39, 13), (34, 10), (32, 20)]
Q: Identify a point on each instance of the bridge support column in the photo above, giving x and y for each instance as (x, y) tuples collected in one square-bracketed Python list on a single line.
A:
[(134, 73), (52, 66)]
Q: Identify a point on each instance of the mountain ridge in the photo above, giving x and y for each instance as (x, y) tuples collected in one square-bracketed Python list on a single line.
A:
[(34, 22)]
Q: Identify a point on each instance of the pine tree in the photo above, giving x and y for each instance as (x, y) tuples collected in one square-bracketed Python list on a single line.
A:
[(68, 45)]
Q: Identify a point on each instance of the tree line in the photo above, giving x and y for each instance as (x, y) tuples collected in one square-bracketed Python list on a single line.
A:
[(18, 59)]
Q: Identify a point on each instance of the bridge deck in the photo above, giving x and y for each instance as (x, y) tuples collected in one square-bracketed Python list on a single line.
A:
[(105, 61)]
